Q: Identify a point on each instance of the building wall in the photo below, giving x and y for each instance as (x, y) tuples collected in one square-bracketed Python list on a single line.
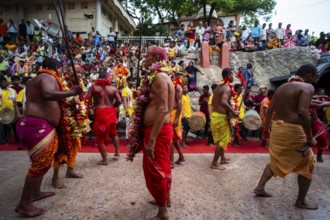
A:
[(73, 13)]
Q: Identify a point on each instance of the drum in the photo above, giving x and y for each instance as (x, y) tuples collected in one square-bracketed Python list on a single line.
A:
[(197, 121), (252, 120), (7, 116)]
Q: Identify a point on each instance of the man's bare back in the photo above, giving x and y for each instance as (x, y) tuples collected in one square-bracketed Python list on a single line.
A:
[(289, 98), (110, 93), (162, 97)]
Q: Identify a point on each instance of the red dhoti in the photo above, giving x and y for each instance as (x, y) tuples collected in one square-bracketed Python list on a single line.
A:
[(322, 140), (41, 140), (157, 171), (105, 123)]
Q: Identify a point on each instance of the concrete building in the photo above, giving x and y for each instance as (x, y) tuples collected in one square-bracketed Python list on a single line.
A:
[(80, 15)]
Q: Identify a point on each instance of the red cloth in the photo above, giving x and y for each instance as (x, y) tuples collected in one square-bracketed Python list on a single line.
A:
[(322, 140), (157, 171), (105, 122)]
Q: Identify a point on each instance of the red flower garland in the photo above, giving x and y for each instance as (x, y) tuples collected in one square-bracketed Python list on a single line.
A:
[(103, 83)]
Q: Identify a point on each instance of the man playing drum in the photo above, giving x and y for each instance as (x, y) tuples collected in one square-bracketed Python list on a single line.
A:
[(186, 114), (7, 100), (220, 125), (291, 130)]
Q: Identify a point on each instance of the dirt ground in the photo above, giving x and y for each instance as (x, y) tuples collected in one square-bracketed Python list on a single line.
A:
[(118, 191)]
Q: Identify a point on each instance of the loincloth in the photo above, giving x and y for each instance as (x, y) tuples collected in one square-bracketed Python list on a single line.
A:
[(285, 139), (220, 129)]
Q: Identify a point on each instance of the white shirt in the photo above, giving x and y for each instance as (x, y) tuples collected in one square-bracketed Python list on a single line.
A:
[(279, 32), (199, 31), (111, 36), (246, 33)]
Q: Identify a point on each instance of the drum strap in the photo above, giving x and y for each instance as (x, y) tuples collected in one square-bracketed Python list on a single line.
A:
[(11, 97)]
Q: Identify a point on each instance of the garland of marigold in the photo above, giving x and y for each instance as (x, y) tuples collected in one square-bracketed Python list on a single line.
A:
[(63, 129), (135, 135)]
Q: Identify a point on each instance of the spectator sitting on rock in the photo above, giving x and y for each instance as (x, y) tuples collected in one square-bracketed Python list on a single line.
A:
[(249, 45), (289, 41), (171, 52), (273, 42), (322, 42), (300, 41)]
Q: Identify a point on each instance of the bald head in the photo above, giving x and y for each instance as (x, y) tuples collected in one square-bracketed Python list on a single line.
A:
[(158, 51)]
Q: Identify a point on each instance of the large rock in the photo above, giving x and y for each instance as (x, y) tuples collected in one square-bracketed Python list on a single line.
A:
[(272, 63), (267, 64)]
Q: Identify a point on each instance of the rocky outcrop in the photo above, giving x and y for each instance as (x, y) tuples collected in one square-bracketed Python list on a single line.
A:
[(272, 63), (267, 64)]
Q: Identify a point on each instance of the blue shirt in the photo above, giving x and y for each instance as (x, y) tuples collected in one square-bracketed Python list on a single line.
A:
[(256, 32)]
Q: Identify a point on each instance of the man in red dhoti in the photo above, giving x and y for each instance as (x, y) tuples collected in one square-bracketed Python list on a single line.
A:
[(151, 119), (105, 118), (36, 131)]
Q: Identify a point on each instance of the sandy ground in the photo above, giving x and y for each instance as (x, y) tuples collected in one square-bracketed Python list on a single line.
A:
[(118, 191)]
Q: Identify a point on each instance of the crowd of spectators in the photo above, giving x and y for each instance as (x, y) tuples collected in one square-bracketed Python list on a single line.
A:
[(244, 38)]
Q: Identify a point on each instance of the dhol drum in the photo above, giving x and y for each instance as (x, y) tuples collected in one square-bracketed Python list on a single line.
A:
[(197, 121), (7, 116), (252, 120)]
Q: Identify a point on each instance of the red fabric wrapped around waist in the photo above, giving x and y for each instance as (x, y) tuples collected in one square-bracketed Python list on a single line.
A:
[(103, 118)]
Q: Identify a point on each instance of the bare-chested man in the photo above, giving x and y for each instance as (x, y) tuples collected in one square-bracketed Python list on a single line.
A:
[(158, 132), (106, 97), (221, 110), (176, 116), (291, 130), (36, 131)]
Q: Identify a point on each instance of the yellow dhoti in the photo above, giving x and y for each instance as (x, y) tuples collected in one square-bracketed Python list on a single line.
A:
[(177, 131), (285, 139), (220, 129)]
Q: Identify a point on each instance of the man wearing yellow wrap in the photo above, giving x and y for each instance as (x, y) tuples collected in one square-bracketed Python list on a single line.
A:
[(77, 118), (176, 116), (37, 131), (291, 134), (220, 125)]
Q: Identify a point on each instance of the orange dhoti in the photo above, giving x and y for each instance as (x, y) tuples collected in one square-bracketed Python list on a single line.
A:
[(41, 140), (157, 171), (71, 160), (177, 131), (285, 140), (105, 123)]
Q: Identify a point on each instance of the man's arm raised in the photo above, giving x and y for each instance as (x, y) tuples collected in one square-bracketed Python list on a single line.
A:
[(50, 89), (161, 90)]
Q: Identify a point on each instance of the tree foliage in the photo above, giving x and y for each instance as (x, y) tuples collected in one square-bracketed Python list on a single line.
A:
[(171, 10)]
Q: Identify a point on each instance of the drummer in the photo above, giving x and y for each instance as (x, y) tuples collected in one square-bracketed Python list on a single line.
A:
[(210, 139), (186, 113), (264, 110), (238, 88), (7, 100)]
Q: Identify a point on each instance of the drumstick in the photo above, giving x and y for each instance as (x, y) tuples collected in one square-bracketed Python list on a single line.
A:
[(303, 149)]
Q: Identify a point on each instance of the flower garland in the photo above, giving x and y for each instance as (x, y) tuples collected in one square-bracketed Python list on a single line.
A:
[(295, 78), (142, 100), (233, 101), (77, 114), (63, 129), (102, 83)]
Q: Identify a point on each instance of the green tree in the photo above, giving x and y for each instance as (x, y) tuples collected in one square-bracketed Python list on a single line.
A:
[(171, 10)]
